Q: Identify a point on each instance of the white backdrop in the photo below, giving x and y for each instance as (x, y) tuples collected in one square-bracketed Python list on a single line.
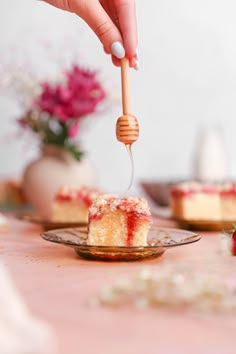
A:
[(187, 79)]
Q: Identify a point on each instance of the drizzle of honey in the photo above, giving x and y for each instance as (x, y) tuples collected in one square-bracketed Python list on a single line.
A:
[(129, 150)]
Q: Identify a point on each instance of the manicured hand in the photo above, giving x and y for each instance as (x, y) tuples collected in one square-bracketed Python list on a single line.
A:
[(113, 21)]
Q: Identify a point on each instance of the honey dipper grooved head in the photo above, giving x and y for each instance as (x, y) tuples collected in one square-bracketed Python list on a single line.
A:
[(127, 129)]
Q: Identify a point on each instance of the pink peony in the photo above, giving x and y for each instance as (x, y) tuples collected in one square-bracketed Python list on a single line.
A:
[(64, 105), (78, 98)]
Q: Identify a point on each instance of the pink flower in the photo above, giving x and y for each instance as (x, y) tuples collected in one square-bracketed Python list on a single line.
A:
[(58, 111), (78, 98), (73, 130)]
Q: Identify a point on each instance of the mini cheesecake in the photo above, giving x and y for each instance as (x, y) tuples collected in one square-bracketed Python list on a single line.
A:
[(196, 201), (71, 205), (228, 201), (115, 221)]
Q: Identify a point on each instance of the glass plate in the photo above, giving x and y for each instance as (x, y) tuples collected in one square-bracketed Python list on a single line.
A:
[(47, 224), (198, 225), (159, 240)]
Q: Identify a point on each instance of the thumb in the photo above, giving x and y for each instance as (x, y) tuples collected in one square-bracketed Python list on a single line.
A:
[(97, 18)]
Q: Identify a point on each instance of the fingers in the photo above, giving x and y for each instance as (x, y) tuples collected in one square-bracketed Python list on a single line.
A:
[(115, 61), (126, 13), (110, 9), (97, 18), (113, 21), (61, 4)]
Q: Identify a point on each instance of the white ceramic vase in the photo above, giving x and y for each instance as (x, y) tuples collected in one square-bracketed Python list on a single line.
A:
[(55, 168)]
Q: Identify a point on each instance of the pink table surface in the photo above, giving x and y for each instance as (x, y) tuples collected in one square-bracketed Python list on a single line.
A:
[(56, 285)]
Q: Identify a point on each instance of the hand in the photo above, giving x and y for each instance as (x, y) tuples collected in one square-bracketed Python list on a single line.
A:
[(113, 21)]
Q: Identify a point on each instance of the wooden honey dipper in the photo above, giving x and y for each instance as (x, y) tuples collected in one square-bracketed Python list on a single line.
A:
[(127, 128)]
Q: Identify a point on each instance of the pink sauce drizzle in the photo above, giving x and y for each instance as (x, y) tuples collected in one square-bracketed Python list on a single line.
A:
[(132, 219)]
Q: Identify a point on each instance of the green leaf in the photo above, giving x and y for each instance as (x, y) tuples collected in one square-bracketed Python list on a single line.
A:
[(74, 151)]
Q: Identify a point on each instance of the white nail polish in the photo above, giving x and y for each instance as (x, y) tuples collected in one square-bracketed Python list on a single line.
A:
[(136, 67), (118, 50), (137, 54)]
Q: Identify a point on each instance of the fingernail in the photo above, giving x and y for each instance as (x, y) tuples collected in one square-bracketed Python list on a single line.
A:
[(118, 50), (137, 54), (136, 67)]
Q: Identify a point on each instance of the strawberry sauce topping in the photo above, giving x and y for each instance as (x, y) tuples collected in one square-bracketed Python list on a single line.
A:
[(132, 219), (131, 223), (136, 209), (84, 194), (229, 190), (188, 189)]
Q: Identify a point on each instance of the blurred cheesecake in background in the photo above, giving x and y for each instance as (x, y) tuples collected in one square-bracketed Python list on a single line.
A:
[(115, 221), (193, 200), (11, 193), (204, 201), (71, 205), (158, 192), (228, 201)]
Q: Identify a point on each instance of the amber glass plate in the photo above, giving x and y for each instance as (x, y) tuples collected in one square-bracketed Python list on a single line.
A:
[(159, 240), (197, 225), (47, 224)]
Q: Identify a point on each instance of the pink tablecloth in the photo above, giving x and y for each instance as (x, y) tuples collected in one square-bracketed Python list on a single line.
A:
[(56, 285)]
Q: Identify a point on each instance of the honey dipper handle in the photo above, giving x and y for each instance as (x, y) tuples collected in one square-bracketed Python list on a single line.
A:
[(125, 85)]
